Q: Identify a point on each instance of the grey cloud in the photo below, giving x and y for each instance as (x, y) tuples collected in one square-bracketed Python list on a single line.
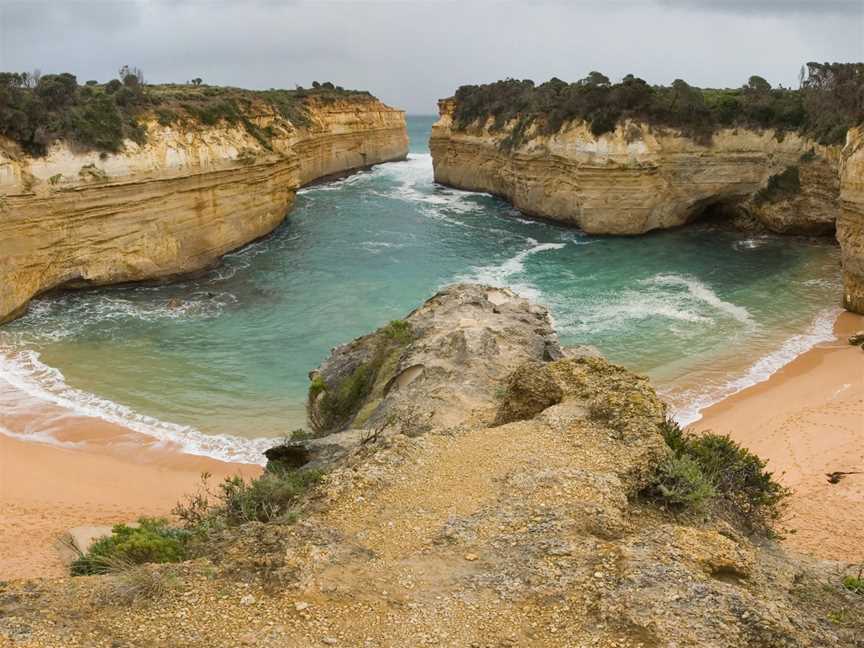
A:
[(410, 53)]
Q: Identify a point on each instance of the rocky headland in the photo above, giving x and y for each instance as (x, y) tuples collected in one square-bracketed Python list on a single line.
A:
[(476, 485), (650, 166), (204, 172)]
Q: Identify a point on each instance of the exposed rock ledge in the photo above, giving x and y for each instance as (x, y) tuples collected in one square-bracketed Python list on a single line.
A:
[(176, 204)]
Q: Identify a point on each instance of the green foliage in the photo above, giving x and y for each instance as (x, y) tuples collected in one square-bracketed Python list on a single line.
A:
[(400, 331), (332, 407), (153, 541), (36, 112), (682, 484), (831, 99), (854, 584), (271, 497), (712, 470)]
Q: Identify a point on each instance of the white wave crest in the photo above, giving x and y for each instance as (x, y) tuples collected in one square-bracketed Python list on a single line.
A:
[(694, 401), (22, 370), (501, 274), (703, 293)]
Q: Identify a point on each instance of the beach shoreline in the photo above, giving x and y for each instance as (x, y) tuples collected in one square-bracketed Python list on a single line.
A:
[(806, 420)]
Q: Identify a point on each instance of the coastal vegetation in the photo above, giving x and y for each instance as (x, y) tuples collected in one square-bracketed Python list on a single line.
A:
[(333, 406), (711, 473), (829, 100), (36, 109)]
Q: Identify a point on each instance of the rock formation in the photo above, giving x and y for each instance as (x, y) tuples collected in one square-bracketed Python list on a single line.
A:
[(850, 223), (515, 520), (175, 204), (640, 178)]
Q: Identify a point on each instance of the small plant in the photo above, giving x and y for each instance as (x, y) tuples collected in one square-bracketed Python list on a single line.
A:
[(855, 584), (711, 470), (131, 583), (55, 179), (400, 331), (271, 497), (153, 540), (682, 484)]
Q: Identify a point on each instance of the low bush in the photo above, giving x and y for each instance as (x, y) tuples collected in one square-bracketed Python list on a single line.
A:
[(271, 497), (830, 100), (152, 541), (855, 584), (712, 472)]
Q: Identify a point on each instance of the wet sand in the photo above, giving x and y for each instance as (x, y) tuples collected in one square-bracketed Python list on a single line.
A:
[(807, 421)]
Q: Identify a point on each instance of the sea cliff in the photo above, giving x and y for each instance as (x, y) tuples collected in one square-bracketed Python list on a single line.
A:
[(640, 177), (850, 223), (176, 202)]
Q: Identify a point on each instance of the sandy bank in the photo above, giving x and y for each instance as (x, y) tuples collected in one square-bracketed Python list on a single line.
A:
[(116, 476), (807, 420)]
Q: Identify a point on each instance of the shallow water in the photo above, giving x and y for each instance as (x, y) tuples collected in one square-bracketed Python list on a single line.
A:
[(703, 311)]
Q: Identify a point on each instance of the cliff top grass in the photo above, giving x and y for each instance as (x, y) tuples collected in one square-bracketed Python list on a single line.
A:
[(36, 110), (829, 101)]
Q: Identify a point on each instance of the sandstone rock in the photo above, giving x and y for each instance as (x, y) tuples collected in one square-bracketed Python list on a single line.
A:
[(856, 338), (638, 178), (446, 370), (850, 224), (174, 205)]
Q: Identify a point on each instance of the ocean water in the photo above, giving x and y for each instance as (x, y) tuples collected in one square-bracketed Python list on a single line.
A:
[(701, 310)]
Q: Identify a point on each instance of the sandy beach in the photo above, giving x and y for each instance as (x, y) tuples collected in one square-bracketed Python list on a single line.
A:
[(113, 476), (807, 421)]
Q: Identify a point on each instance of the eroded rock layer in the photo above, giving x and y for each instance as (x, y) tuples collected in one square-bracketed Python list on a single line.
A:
[(175, 204), (638, 178), (850, 223)]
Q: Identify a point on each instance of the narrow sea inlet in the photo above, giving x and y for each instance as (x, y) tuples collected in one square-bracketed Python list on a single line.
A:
[(229, 353)]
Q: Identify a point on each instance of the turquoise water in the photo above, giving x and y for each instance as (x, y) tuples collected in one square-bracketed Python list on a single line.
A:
[(702, 310)]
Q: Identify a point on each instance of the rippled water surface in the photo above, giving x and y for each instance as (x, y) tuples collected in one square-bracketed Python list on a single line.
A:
[(703, 311)]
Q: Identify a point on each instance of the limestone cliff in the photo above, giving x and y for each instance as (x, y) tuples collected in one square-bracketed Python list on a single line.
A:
[(177, 203), (638, 177), (850, 224)]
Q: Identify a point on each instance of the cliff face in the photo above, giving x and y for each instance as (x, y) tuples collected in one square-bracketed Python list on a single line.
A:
[(177, 203), (639, 178), (850, 223)]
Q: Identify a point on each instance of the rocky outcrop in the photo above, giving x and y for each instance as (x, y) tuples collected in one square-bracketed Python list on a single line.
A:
[(515, 520), (175, 204), (638, 178), (441, 366), (850, 224)]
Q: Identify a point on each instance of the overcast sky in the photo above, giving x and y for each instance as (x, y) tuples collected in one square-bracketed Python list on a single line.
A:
[(412, 52)]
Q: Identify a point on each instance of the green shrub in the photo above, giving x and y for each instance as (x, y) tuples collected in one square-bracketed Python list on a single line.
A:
[(270, 497), (400, 331), (786, 183), (153, 541), (831, 99), (740, 489), (855, 584), (682, 484)]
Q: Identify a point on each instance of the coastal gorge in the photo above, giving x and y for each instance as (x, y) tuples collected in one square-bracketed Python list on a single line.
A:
[(203, 172), (626, 159)]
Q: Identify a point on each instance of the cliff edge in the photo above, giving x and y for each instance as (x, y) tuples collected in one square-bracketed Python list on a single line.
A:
[(186, 191)]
